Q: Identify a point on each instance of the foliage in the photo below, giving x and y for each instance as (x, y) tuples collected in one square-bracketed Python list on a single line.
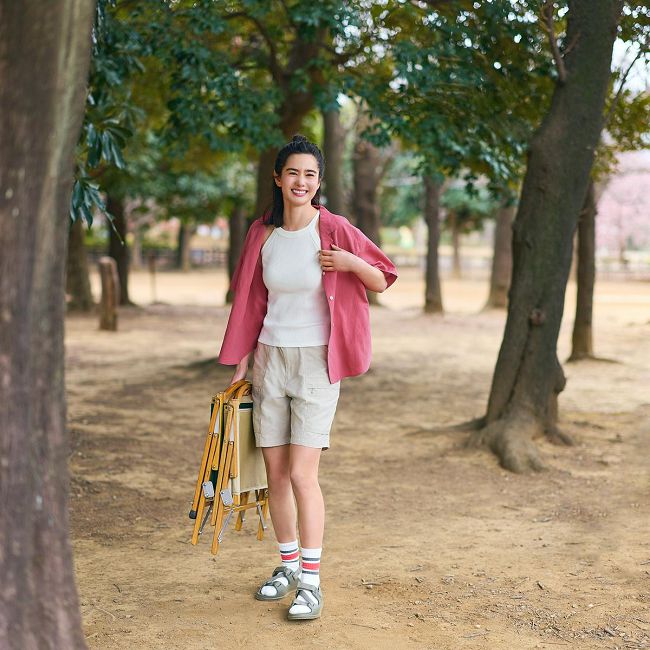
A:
[(467, 210), (463, 83)]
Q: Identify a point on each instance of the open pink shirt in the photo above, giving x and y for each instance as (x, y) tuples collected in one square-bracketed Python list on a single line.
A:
[(349, 347)]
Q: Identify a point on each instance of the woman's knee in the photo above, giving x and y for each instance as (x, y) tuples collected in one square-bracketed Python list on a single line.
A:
[(304, 478)]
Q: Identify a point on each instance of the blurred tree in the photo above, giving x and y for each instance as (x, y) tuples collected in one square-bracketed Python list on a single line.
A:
[(44, 56), (461, 83), (466, 212), (627, 125)]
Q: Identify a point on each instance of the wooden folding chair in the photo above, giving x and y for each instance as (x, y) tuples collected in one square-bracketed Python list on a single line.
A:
[(232, 468)]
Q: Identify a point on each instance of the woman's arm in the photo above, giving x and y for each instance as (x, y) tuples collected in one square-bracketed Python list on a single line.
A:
[(341, 260)]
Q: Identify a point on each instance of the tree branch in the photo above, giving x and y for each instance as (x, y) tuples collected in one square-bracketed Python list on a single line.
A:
[(548, 25), (274, 63), (619, 92)]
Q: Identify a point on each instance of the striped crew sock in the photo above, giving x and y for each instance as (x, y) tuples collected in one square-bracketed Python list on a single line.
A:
[(310, 573), (290, 558), (311, 565)]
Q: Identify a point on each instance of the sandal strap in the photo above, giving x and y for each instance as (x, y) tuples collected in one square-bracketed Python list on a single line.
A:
[(285, 571), (313, 590)]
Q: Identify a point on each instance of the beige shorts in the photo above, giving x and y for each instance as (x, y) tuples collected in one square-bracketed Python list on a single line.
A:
[(293, 400)]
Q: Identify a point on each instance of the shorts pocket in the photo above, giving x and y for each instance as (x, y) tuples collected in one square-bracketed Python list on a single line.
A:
[(260, 364)]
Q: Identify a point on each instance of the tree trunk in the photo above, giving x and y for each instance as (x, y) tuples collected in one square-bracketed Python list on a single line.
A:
[(333, 146), (528, 376), (110, 294), (185, 233), (501, 259), (367, 172), (433, 294), (582, 341), (119, 250), (456, 271), (77, 279), (44, 57), (237, 228)]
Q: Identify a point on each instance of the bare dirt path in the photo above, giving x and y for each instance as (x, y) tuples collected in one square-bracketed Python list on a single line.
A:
[(428, 545)]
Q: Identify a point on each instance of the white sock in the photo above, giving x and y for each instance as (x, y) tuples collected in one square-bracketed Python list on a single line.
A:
[(310, 574), (289, 556)]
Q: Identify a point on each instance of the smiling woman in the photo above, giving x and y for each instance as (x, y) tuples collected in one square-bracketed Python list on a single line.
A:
[(300, 304)]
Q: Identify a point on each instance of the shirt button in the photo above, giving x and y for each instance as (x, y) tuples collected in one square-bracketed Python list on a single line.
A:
[(331, 297)]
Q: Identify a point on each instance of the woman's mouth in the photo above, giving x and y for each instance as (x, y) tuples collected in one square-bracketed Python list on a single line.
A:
[(299, 192)]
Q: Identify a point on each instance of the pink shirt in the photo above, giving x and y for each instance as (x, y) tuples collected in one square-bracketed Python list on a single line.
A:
[(349, 347)]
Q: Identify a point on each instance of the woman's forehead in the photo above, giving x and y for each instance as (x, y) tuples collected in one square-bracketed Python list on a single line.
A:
[(302, 162)]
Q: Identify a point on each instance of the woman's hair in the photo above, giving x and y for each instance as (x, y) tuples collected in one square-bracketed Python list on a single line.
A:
[(298, 144)]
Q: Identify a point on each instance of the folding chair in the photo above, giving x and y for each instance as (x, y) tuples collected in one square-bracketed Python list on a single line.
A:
[(232, 468)]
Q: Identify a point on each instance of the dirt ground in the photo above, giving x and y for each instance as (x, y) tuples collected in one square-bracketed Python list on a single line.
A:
[(428, 544)]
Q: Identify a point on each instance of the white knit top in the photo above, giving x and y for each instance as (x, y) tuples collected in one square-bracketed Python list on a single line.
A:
[(297, 313)]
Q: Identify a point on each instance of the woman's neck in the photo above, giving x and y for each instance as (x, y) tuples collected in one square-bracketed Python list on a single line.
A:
[(296, 218)]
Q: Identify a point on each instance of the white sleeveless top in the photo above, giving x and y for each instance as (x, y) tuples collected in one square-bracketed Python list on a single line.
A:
[(297, 314)]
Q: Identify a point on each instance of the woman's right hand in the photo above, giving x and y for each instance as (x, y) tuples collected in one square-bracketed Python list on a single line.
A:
[(240, 370)]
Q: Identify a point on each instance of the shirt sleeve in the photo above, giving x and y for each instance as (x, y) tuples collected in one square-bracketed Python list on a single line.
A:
[(367, 250)]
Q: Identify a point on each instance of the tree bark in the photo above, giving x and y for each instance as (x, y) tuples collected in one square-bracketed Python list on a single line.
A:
[(44, 57), (333, 147), (527, 372), (237, 229), (433, 294), (77, 279), (119, 250), (501, 259), (582, 340)]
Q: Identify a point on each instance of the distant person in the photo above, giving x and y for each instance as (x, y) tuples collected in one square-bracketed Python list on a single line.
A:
[(300, 305)]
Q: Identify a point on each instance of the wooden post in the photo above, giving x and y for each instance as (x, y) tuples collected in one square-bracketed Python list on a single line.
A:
[(110, 294)]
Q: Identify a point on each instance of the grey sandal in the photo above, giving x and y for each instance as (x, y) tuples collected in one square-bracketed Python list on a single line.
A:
[(281, 590), (315, 609)]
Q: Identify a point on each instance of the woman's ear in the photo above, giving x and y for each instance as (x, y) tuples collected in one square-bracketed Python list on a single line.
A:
[(276, 178)]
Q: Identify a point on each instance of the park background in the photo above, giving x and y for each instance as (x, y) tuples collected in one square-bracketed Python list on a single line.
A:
[(498, 151)]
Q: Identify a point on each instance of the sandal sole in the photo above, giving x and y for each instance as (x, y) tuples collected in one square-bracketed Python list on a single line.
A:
[(303, 617), (262, 597)]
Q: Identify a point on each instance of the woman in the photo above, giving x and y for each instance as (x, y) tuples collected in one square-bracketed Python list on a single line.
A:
[(300, 304)]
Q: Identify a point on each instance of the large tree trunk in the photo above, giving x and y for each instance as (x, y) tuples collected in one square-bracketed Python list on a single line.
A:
[(333, 147), (237, 230), (44, 56), (501, 258), (528, 377), (367, 170), (77, 280), (582, 340), (432, 294), (118, 249)]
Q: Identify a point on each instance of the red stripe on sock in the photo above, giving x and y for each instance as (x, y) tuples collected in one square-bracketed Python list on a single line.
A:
[(312, 566), (289, 557)]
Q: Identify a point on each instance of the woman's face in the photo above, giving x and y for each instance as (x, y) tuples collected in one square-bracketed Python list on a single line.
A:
[(299, 180)]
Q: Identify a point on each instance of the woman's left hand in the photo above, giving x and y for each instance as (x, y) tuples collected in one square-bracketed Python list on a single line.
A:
[(338, 260)]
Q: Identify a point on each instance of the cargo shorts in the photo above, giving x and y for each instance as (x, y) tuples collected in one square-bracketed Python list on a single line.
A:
[(293, 399)]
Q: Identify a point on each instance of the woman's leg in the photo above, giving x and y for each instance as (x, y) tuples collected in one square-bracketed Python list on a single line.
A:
[(309, 498), (283, 514), (311, 521), (281, 504)]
